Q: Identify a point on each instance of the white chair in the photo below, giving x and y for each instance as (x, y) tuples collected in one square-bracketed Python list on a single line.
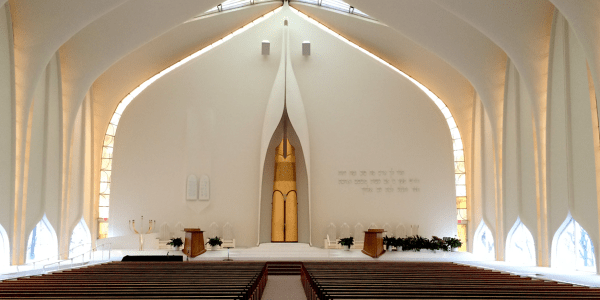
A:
[(344, 231), (165, 232), (359, 236), (387, 230), (178, 231), (331, 242), (228, 240), (373, 226), (414, 229), (213, 231), (164, 236), (400, 231)]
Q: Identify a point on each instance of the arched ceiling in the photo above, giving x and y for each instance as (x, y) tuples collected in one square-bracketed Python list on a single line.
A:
[(163, 51), (454, 47), (40, 27)]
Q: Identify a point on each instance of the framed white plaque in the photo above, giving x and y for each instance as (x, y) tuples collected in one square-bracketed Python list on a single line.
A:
[(192, 187), (204, 188)]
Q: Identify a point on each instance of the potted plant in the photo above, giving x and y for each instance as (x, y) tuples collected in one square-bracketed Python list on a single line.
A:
[(214, 243), (346, 243), (418, 242), (175, 243), (399, 243), (436, 244), (389, 242), (453, 243)]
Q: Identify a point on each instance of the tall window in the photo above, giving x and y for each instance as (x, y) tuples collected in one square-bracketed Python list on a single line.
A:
[(573, 248), (4, 248), (483, 243), (80, 239), (520, 248), (42, 242)]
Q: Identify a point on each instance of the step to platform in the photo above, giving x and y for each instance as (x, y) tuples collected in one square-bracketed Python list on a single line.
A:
[(275, 268)]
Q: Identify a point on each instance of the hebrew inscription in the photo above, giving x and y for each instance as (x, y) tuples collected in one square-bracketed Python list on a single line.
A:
[(379, 181)]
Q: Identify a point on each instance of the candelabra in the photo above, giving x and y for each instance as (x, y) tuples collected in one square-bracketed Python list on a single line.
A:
[(151, 224)]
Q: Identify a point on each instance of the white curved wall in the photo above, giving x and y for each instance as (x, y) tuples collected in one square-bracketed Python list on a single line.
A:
[(206, 118)]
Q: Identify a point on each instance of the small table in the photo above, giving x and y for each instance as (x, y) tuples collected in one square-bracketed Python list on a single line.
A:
[(228, 259)]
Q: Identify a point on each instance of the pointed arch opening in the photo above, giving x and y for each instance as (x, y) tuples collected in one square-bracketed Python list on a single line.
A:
[(108, 143), (111, 131), (460, 179), (572, 247), (4, 248), (520, 246), (80, 239), (42, 242), (483, 242)]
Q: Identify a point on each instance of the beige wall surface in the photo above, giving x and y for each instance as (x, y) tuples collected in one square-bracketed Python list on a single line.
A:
[(207, 116)]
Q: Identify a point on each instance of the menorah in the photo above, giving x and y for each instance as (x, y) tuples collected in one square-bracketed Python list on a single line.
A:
[(151, 224)]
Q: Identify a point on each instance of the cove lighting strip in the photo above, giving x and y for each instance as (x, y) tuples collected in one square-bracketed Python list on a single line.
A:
[(457, 145), (108, 144)]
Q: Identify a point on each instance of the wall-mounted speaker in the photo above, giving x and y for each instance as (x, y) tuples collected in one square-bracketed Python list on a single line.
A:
[(266, 48), (306, 48)]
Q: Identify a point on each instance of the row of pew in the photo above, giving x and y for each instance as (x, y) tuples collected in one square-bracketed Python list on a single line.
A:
[(145, 280), (321, 280), (427, 280)]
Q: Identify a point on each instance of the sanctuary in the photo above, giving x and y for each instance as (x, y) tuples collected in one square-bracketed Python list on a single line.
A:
[(276, 128)]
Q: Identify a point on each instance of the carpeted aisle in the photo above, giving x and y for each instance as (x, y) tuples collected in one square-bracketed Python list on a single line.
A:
[(284, 288)]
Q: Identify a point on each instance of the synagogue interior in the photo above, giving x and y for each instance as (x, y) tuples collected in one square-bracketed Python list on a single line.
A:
[(282, 129)]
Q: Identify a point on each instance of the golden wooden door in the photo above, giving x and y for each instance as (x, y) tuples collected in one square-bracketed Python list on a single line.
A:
[(284, 216)]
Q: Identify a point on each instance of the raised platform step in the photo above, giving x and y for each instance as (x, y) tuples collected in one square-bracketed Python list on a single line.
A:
[(284, 268)]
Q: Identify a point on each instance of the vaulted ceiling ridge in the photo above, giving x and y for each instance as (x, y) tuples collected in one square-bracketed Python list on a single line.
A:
[(521, 29), (464, 47), (117, 34), (40, 28), (583, 18)]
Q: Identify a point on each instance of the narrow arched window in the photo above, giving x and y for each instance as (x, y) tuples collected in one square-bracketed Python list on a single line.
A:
[(572, 247), (42, 242), (4, 248), (520, 247), (80, 239), (483, 244)]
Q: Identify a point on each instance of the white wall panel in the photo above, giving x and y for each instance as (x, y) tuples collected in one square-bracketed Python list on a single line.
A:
[(373, 120), (6, 120)]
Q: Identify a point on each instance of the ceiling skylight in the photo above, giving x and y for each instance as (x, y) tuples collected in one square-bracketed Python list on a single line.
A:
[(335, 5), (331, 4), (233, 4)]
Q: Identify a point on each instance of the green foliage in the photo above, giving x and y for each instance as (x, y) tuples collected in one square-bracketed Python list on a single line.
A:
[(436, 244), (389, 241), (175, 242), (417, 242), (399, 242), (216, 241), (349, 241), (452, 242)]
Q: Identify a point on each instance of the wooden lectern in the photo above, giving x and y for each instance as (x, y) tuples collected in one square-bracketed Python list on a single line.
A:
[(373, 243), (194, 242)]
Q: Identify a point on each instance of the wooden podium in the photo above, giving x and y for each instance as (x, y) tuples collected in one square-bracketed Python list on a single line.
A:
[(194, 242), (373, 243)]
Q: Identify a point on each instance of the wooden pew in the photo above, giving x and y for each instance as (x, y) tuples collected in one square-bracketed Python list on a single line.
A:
[(408, 280), (145, 280)]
